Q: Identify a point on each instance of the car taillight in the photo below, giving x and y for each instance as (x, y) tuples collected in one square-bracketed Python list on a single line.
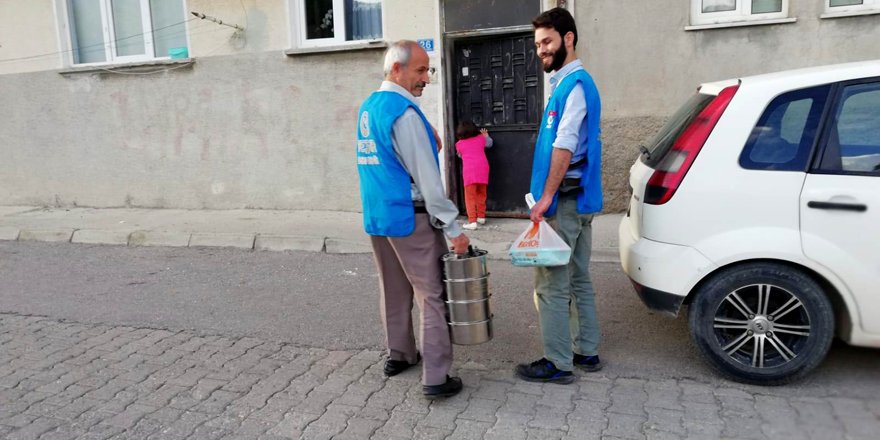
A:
[(670, 172)]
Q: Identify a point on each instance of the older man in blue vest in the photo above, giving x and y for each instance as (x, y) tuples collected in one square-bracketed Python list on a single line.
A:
[(406, 214), (567, 184)]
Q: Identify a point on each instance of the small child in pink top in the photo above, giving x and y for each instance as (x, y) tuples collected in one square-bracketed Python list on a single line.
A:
[(471, 147)]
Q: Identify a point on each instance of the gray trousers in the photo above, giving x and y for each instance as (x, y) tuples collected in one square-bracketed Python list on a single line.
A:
[(564, 295), (410, 269)]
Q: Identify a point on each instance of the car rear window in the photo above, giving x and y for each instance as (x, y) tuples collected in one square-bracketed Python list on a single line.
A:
[(784, 135), (654, 152)]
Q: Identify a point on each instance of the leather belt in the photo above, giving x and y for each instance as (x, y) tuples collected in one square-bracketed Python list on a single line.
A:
[(570, 186)]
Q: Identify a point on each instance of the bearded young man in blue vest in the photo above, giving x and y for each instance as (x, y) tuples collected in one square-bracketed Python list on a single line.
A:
[(567, 184), (405, 210)]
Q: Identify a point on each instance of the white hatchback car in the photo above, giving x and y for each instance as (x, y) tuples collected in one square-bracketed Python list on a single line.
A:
[(758, 204)]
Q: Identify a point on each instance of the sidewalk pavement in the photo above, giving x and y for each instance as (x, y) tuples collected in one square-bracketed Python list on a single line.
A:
[(65, 380), (333, 232)]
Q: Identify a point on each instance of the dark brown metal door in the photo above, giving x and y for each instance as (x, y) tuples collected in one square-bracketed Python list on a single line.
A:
[(498, 85)]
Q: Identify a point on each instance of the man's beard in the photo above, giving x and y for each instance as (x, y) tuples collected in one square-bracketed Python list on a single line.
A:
[(419, 86), (558, 59)]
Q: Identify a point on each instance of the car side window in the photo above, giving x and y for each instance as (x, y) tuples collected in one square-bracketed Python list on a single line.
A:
[(785, 132), (853, 140)]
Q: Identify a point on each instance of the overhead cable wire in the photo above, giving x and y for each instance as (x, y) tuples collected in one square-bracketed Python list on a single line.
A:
[(167, 69), (217, 20), (127, 71), (102, 44)]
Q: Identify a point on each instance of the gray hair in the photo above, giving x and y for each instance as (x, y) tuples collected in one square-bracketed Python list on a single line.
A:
[(399, 52)]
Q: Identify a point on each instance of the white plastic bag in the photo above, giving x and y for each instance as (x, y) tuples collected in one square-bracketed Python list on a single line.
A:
[(539, 245)]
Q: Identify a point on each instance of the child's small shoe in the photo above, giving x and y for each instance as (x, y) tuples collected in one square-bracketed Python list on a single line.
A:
[(481, 221), (469, 226)]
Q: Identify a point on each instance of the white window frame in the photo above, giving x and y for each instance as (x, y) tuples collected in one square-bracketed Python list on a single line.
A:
[(867, 5), (298, 28), (109, 33), (742, 13)]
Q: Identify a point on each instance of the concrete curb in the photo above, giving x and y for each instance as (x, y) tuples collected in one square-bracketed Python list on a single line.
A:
[(48, 235), (343, 246), (288, 243), (159, 238), (327, 231), (273, 243), (92, 236), (8, 233), (497, 251), (239, 241)]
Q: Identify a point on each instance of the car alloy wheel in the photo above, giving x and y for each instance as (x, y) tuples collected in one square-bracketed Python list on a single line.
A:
[(763, 323)]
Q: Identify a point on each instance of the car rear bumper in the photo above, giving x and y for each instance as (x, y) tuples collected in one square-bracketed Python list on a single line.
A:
[(665, 302), (663, 274)]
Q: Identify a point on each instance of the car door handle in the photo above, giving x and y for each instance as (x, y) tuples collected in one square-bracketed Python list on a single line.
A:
[(855, 207)]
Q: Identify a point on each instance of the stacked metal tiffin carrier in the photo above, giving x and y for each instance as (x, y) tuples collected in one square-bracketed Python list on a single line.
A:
[(467, 297)]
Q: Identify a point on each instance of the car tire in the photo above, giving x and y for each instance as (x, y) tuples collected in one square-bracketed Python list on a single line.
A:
[(762, 323)]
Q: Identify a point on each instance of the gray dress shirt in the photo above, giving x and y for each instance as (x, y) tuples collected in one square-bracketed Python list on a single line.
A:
[(574, 117), (412, 146)]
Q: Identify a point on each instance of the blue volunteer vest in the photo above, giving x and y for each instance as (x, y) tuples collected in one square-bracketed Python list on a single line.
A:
[(590, 199), (386, 193)]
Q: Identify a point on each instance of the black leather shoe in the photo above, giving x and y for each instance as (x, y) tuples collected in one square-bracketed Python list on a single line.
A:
[(393, 368), (450, 388), (587, 363)]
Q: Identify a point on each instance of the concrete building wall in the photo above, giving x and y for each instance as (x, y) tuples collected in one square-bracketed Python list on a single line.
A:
[(27, 34), (248, 126), (243, 126), (29, 31), (256, 130), (646, 65), (414, 20), (265, 21)]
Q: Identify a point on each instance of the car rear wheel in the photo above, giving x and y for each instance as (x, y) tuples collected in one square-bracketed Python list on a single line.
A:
[(762, 323)]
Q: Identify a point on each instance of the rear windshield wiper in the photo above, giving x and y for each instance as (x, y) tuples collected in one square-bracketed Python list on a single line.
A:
[(645, 151)]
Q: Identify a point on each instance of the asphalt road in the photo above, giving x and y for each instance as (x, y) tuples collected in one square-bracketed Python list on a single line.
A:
[(330, 301)]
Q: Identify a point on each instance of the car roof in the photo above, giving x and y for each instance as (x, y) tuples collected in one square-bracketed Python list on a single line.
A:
[(804, 77)]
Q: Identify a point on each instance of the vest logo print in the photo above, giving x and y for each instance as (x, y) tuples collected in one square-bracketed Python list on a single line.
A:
[(365, 124), (366, 148), (367, 152), (550, 118)]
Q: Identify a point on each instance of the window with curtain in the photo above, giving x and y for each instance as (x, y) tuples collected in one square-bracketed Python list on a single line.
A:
[(730, 11), (108, 31), (326, 22), (851, 6)]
